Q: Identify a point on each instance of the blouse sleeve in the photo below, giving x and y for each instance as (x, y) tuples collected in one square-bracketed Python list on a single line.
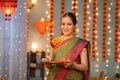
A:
[(55, 41)]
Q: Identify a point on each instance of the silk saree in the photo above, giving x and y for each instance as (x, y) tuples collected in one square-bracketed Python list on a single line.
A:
[(68, 49)]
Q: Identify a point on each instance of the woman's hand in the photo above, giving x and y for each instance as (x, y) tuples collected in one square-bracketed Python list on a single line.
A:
[(46, 62), (68, 64)]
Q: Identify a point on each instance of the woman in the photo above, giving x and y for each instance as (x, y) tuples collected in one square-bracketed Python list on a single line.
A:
[(69, 54)]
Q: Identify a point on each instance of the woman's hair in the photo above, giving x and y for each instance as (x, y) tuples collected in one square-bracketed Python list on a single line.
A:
[(72, 16)]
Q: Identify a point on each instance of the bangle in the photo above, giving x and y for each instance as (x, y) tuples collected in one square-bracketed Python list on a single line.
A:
[(72, 65)]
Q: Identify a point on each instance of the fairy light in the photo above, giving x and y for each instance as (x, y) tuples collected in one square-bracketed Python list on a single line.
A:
[(74, 6), (109, 20), (74, 10), (117, 66), (77, 30), (48, 16), (87, 20), (110, 31), (107, 61), (90, 1), (97, 65), (97, 54), (109, 54), (88, 12), (109, 39), (49, 34), (97, 59), (107, 65), (97, 70)]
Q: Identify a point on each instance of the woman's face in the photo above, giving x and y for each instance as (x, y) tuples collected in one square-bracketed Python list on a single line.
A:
[(67, 26)]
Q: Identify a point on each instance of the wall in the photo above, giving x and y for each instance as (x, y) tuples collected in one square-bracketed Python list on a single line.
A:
[(13, 58)]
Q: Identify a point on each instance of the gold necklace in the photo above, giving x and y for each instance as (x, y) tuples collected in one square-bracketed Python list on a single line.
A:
[(64, 38)]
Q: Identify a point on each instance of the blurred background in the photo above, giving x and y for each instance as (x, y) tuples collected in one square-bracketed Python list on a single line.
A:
[(27, 28)]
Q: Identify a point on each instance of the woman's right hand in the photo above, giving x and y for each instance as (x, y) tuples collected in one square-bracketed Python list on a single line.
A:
[(46, 62)]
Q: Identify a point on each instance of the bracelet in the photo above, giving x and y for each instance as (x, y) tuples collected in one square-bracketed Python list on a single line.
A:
[(72, 65)]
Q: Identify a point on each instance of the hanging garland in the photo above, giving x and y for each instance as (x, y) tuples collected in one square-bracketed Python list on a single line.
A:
[(74, 10), (51, 21), (74, 6), (104, 30), (116, 30), (62, 6), (85, 20), (94, 29)]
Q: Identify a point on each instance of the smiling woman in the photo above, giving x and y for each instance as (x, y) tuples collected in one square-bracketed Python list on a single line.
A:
[(69, 52)]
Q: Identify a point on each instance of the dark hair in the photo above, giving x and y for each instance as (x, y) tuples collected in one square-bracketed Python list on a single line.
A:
[(72, 16)]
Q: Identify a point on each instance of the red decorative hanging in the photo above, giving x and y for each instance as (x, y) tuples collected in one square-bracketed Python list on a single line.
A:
[(104, 29), (94, 29), (40, 26), (85, 19), (74, 8), (51, 9), (8, 7), (116, 31), (62, 7)]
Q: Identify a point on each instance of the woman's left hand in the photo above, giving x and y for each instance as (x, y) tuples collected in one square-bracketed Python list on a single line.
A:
[(67, 63)]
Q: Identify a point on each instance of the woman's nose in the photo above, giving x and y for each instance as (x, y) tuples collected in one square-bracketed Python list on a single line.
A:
[(65, 26)]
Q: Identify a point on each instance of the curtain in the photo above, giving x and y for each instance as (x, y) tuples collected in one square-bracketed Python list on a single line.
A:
[(13, 61)]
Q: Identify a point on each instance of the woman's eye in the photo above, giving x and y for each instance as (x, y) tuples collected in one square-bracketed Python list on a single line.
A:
[(63, 24), (68, 24)]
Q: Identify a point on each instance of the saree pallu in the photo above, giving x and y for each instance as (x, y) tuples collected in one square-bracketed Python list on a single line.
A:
[(68, 49)]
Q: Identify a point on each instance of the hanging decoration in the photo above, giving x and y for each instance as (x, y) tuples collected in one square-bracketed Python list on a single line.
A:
[(94, 30), (30, 4), (74, 10), (104, 30), (85, 19), (27, 29), (8, 7), (74, 6), (62, 7), (51, 21), (117, 18), (40, 26)]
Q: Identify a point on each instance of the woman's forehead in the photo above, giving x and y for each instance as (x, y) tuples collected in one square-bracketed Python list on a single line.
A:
[(67, 18)]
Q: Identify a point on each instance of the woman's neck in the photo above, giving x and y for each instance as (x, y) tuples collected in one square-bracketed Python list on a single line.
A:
[(64, 37)]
